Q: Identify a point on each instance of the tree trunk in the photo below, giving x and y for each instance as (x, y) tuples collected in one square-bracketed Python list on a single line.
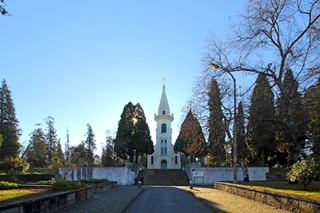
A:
[(245, 172)]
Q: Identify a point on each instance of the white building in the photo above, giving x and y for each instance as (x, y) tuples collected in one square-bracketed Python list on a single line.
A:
[(163, 156)]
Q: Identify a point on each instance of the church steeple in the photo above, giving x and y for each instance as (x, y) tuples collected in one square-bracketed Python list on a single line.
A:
[(164, 106), (164, 110)]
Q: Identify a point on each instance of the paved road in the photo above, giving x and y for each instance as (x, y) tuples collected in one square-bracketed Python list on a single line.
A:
[(163, 199), (112, 201)]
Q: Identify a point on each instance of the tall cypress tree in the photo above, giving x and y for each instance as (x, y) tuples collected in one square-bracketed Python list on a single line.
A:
[(133, 133), (90, 144), (8, 124), (217, 130), (261, 128), (124, 133), (312, 106), (293, 125), (144, 144), (192, 137)]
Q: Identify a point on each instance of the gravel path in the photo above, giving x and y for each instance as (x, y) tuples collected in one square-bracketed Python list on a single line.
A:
[(113, 201)]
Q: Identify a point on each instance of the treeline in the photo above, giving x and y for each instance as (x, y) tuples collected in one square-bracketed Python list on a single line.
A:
[(45, 149), (263, 136)]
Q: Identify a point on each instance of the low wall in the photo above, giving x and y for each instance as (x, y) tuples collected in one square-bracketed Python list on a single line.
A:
[(122, 175), (52, 202), (279, 200), (208, 175)]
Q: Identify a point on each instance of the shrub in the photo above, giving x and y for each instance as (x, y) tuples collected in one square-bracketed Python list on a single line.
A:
[(11, 165), (91, 181), (303, 171), (46, 182), (4, 185), (65, 185), (34, 177)]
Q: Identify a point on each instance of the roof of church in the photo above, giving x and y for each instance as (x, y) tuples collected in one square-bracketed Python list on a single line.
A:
[(164, 106)]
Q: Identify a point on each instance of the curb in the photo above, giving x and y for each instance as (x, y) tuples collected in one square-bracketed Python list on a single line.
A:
[(133, 199)]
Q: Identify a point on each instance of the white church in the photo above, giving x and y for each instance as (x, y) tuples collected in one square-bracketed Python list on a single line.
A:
[(163, 156)]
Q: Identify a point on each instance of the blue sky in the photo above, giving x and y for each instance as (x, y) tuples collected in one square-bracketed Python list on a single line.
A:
[(83, 61)]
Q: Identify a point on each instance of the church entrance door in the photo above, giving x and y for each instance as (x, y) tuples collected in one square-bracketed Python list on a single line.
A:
[(163, 164)]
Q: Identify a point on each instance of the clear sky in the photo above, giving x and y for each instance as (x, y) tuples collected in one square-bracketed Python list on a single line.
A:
[(83, 61)]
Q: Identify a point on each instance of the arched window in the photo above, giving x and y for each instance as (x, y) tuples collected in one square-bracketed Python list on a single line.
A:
[(163, 112), (163, 128)]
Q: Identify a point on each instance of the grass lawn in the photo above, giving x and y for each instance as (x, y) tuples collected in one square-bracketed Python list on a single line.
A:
[(6, 195), (285, 187)]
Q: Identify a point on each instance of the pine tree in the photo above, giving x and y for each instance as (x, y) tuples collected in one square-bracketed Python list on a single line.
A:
[(37, 153), (133, 133), (60, 153), (90, 143), (8, 124), (217, 130), (192, 137), (261, 128), (52, 138), (312, 106), (78, 155), (243, 152), (108, 155), (293, 125)]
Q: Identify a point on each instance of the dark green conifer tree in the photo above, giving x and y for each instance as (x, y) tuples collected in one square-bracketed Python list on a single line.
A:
[(292, 119), (312, 106), (8, 124), (192, 138), (133, 134), (78, 155), (90, 143), (60, 154), (52, 139), (108, 155), (217, 130), (261, 128), (37, 153)]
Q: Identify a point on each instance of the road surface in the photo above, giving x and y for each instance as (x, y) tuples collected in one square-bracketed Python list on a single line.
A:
[(166, 199)]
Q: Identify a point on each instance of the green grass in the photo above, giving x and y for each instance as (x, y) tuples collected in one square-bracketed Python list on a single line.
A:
[(285, 187), (6, 195)]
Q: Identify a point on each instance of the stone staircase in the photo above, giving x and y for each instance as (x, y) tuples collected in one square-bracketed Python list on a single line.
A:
[(173, 177)]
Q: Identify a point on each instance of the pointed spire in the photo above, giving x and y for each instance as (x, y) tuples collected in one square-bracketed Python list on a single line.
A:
[(164, 106)]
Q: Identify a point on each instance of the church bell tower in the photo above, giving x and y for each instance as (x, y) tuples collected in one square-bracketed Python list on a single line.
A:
[(164, 156)]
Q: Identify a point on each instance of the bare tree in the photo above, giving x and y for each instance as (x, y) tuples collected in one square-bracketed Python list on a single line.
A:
[(271, 37)]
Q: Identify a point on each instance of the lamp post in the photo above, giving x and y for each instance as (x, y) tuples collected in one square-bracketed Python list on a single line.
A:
[(235, 176)]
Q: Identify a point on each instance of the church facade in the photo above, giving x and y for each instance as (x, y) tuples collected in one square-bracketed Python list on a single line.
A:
[(164, 156)]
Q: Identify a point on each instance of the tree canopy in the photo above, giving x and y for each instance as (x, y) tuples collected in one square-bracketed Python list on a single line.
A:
[(133, 134), (8, 124), (191, 138)]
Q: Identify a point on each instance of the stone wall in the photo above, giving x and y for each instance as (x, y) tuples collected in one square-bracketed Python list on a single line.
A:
[(213, 174), (279, 200), (52, 202), (122, 175)]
